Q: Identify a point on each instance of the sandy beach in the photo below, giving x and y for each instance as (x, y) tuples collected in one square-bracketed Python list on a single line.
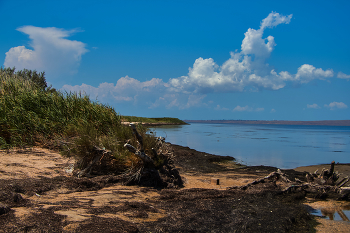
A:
[(39, 193)]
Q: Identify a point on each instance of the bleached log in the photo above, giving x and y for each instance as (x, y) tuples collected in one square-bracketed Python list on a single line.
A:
[(273, 176), (140, 153), (138, 136), (343, 182), (344, 190)]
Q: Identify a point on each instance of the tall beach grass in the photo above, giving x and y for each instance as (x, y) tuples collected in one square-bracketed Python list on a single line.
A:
[(31, 113)]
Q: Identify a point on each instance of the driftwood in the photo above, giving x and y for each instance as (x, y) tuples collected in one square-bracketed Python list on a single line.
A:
[(98, 155), (140, 153), (158, 171), (321, 184), (273, 176)]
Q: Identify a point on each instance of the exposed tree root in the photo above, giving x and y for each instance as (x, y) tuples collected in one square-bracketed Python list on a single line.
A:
[(156, 171), (319, 186)]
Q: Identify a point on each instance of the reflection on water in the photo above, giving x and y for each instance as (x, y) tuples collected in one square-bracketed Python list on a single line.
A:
[(283, 146), (336, 213)]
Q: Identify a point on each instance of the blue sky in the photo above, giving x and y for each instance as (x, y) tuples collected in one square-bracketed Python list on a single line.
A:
[(263, 60)]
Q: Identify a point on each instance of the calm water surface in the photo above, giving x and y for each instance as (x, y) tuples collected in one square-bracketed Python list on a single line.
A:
[(283, 146)]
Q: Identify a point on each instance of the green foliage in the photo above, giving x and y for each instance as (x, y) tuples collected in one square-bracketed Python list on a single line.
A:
[(167, 120), (38, 79), (30, 111), (33, 114)]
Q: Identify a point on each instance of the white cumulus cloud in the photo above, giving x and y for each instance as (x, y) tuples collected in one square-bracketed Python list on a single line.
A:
[(248, 69), (153, 93), (242, 109), (343, 76), (259, 109), (307, 72), (315, 106), (49, 51), (253, 43), (126, 89), (274, 19), (218, 107), (336, 105), (245, 70), (247, 109)]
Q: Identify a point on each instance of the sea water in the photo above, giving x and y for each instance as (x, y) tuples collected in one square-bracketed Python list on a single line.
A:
[(283, 146)]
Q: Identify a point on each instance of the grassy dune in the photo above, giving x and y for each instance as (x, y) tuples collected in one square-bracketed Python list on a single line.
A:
[(31, 113)]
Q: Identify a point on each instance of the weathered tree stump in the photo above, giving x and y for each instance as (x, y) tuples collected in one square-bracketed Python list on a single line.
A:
[(163, 175)]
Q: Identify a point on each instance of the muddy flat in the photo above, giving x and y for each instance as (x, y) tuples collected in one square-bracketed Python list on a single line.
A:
[(38, 193)]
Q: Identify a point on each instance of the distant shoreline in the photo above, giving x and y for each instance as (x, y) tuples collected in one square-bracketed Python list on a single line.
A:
[(260, 122), (152, 124)]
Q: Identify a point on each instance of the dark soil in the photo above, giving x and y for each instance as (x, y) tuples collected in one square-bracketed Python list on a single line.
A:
[(259, 208)]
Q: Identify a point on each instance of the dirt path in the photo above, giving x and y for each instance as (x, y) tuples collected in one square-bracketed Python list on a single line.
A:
[(38, 193)]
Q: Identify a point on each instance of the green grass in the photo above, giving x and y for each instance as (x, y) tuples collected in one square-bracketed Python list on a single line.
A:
[(33, 114), (29, 112)]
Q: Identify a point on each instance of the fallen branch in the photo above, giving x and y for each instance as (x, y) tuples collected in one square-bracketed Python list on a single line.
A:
[(319, 184), (99, 155), (140, 153), (273, 176), (343, 182)]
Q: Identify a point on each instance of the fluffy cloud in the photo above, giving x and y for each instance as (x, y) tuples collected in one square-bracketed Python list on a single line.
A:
[(126, 89), (51, 51), (153, 93), (247, 109), (259, 109), (343, 76), (315, 106), (253, 43), (218, 107), (336, 105), (306, 73), (248, 69)]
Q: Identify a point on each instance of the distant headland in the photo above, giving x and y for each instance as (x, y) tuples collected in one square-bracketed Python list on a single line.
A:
[(275, 122)]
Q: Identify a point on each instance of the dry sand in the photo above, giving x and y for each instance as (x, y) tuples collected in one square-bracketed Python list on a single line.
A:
[(38, 163)]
